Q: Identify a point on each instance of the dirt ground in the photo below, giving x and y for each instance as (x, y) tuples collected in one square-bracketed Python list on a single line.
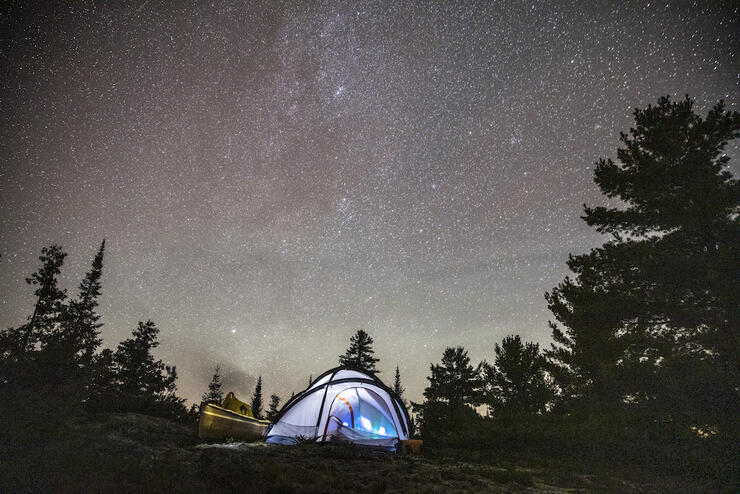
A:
[(136, 453)]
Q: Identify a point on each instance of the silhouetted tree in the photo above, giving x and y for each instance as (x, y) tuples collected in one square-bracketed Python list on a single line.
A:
[(651, 317), (49, 298), (144, 384), (257, 399), (274, 407), (517, 382), (19, 356), (455, 382), (53, 355), (455, 387), (360, 353), (68, 347), (398, 388), (81, 326), (214, 394)]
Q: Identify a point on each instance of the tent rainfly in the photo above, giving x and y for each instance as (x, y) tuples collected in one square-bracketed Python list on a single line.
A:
[(343, 404)]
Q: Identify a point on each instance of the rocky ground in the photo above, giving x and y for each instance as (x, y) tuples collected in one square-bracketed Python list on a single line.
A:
[(137, 453)]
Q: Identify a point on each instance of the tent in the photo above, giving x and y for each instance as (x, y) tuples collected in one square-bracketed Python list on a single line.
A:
[(343, 404)]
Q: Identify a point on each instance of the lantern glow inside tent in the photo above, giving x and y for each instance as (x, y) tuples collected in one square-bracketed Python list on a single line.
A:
[(345, 405)]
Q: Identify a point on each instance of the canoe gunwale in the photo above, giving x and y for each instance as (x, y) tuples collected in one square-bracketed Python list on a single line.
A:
[(235, 415), (215, 422)]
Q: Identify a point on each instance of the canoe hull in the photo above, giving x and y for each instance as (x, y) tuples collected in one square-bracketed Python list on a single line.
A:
[(219, 423)]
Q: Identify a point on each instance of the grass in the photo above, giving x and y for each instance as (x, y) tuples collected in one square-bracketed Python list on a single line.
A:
[(136, 453)]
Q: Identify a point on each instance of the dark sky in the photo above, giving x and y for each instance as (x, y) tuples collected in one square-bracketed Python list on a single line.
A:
[(270, 177)]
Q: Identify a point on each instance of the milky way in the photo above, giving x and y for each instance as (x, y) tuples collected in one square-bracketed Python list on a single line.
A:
[(271, 177)]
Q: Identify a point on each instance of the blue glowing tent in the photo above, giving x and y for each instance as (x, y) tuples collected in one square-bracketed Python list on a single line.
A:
[(346, 405)]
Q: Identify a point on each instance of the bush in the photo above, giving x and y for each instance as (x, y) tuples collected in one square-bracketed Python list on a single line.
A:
[(603, 440)]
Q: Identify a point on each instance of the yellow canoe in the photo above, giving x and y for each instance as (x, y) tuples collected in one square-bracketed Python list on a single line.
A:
[(216, 422)]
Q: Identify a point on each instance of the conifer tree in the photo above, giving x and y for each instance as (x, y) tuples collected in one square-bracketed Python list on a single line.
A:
[(49, 298), (83, 309), (214, 394), (455, 382), (517, 382), (78, 335), (274, 407), (257, 399), (650, 319), (455, 387), (398, 388), (360, 354), (19, 356), (145, 384)]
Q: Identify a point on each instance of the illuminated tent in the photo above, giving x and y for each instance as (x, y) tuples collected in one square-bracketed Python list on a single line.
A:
[(346, 405)]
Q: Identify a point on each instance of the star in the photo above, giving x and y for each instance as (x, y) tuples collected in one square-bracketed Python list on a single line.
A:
[(294, 171)]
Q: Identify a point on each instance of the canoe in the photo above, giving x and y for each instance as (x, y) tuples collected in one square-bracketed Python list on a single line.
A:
[(216, 422)]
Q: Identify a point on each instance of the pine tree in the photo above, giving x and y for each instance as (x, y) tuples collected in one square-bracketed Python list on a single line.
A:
[(83, 309), (517, 382), (651, 317), (274, 408), (257, 399), (68, 346), (455, 387), (455, 382), (78, 335), (144, 384), (398, 388), (49, 298), (360, 354), (19, 356), (214, 394)]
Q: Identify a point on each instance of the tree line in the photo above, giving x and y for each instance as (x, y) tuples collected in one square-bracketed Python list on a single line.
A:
[(646, 327), (55, 354), (215, 395), (359, 355)]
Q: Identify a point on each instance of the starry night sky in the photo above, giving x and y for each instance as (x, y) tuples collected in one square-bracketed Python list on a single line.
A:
[(271, 177)]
